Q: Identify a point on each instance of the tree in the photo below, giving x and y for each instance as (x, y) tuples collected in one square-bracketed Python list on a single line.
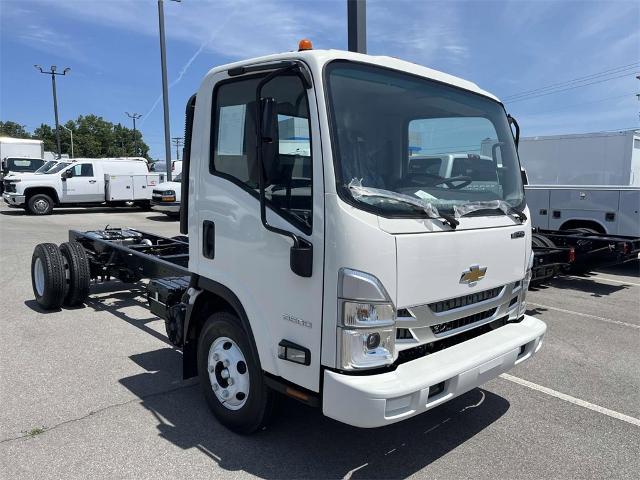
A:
[(13, 129), (93, 137)]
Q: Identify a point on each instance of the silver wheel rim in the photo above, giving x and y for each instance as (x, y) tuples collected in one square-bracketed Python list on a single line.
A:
[(41, 205), (38, 276), (228, 373)]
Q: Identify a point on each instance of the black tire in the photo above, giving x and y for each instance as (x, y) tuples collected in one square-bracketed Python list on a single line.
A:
[(547, 242), (78, 273), (257, 410), (47, 276), (40, 204), (536, 241)]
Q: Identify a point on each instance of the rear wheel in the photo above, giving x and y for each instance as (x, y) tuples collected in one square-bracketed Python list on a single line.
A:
[(40, 204), (47, 276), (77, 273), (231, 377)]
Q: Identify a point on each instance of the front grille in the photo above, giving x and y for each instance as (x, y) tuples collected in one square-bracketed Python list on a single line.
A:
[(9, 187), (458, 302), (429, 348), (462, 322), (403, 334)]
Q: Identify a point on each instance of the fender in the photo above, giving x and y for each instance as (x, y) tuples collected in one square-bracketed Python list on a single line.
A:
[(190, 349)]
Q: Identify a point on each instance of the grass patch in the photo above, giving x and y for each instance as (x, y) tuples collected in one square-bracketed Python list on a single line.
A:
[(35, 431)]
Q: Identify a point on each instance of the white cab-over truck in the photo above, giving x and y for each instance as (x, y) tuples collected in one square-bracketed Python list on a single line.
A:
[(83, 182), (331, 272), (20, 155)]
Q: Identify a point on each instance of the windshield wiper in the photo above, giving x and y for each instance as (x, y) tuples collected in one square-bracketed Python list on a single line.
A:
[(506, 208), (358, 190)]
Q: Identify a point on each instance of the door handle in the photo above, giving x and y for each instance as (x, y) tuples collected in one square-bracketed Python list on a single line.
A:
[(208, 239), (92, 181)]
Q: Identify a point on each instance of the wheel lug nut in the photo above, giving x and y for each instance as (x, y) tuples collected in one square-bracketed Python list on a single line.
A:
[(225, 394), (225, 363), (216, 357), (215, 387), (212, 369), (224, 373), (230, 381)]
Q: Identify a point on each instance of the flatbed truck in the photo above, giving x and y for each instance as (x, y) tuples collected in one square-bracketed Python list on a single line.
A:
[(332, 273)]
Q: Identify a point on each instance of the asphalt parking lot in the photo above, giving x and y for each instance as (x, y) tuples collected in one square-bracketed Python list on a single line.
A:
[(97, 391)]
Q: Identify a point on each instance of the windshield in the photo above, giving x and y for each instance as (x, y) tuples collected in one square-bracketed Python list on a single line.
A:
[(59, 167), (419, 138), (46, 166)]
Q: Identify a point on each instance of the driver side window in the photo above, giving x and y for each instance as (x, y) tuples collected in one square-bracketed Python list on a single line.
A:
[(83, 170), (234, 144)]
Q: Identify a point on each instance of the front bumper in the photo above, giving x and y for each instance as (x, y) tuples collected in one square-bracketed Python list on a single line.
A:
[(13, 199), (376, 400), (166, 207)]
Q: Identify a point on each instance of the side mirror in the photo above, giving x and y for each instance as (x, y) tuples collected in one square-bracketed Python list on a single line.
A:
[(269, 138), (67, 174), (301, 258)]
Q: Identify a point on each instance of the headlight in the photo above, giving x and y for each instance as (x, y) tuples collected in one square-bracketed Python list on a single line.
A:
[(525, 286), (366, 334)]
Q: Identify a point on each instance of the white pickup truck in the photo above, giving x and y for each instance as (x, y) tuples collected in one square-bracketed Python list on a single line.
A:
[(83, 182), (166, 197)]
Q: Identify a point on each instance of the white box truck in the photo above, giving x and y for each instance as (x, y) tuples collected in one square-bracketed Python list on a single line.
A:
[(20, 155), (333, 274), (587, 181), (83, 182)]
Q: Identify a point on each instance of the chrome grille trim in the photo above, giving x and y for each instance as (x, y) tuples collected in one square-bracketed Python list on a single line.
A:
[(426, 325), (463, 301)]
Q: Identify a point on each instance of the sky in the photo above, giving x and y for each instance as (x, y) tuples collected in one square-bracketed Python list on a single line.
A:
[(507, 47)]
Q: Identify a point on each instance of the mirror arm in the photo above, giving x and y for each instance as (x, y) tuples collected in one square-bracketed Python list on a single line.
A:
[(512, 121)]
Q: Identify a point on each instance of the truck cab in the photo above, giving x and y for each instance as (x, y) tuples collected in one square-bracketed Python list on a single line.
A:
[(329, 267)]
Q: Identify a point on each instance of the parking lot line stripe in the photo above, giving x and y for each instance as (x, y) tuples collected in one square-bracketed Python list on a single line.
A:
[(604, 279), (595, 317), (574, 400)]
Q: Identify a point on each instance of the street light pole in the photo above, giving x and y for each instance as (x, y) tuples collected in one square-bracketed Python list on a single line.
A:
[(134, 116), (53, 74), (165, 88), (71, 135), (357, 25)]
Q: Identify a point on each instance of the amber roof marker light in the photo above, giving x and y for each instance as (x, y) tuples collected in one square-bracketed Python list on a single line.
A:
[(305, 44)]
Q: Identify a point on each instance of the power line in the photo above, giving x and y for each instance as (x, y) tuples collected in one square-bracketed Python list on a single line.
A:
[(627, 95), (610, 71), (567, 88)]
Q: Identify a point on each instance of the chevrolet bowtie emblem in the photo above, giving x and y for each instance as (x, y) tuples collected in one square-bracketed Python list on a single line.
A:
[(475, 273)]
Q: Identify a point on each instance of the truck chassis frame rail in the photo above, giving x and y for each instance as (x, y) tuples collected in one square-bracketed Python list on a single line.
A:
[(593, 249), (64, 273)]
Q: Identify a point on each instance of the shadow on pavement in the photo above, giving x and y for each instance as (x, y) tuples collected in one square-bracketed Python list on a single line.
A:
[(301, 442), (163, 218), (587, 285), (74, 211)]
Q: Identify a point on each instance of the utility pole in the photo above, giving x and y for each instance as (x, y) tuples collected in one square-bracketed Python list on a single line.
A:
[(52, 71), (134, 116), (71, 135), (178, 143), (165, 88), (357, 25)]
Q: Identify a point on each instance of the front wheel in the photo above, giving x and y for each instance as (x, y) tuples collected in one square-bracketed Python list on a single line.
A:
[(231, 377), (40, 204)]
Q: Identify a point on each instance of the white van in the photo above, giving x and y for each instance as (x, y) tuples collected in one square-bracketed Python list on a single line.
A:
[(83, 182)]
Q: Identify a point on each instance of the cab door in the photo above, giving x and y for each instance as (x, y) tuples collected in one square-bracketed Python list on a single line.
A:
[(83, 186), (234, 248)]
